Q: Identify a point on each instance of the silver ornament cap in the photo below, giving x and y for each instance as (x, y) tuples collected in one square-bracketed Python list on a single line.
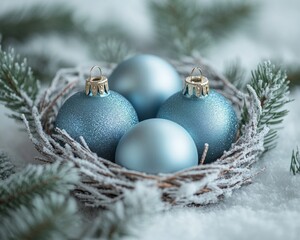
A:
[(196, 86), (97, 85)]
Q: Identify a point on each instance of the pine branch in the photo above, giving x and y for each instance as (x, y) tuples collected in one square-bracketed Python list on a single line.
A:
[(223, 17), (176, 26), (6, 166), (108, 42), (295, 162), (110, 49), (272, 89), (187, 27), (45, 64), (50, 217), (292, 70), (126, 218), (236, 74), (40, 180), (21, 24), (18, 86)]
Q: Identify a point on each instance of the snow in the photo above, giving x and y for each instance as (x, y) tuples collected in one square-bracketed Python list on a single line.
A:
[(267, 209)]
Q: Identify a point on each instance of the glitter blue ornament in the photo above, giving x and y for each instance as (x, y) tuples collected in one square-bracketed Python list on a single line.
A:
[(157, 146), (205, 114), (99, 115), (146, 81)]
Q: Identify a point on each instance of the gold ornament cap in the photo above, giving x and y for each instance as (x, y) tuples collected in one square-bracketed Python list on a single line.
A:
[(96, 85), (196, 86)]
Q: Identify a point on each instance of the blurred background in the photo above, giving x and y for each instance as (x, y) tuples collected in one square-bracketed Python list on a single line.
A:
[(228, 33), (234, 36)]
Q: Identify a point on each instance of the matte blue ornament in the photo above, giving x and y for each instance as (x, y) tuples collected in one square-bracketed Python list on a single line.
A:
[(206, 115), (146, 81), (100, 116), (157, 146)]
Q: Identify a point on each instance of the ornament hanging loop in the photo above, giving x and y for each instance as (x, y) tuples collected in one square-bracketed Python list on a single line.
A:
[(96, 85), (199, 69), (100, 71), (196, 86)]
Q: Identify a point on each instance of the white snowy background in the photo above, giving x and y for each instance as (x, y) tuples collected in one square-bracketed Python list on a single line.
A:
[(267, 209)]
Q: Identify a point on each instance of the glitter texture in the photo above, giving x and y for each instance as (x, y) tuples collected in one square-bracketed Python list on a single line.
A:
[(210, 119), (102, 121)]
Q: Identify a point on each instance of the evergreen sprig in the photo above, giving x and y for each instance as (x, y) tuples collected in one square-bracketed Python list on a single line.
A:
[(236, 74), (124, 218), (44, 64), (6, 166), (45, 218), (21, 24), (110, 49), (272, 89), (187, 27), (18, 86), (39, 180), (295, 162)]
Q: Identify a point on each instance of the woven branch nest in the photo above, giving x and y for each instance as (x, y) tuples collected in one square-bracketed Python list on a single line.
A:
[(104, 182)]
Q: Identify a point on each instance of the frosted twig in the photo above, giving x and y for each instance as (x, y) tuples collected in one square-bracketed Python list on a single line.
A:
[(204, 153), (58, 96), (104, 182)]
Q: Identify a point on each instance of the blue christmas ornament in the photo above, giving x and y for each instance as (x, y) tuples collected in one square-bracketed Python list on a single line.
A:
[(205, 114), (100, 116), (146, 81), (157, 146)]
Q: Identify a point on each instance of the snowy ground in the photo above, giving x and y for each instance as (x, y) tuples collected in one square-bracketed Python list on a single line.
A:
[(267, 209)]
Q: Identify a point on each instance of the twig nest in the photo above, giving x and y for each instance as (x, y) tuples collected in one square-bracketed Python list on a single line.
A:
[(104, 182)]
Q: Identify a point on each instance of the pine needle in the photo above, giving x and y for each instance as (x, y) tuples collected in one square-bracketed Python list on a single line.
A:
[(295, 162), (110, 49), (236, 74), (188, 27), (18, 86), (40, 180), (6, 166), (48, 217), (125, 218), (21, 24), (272, 89)]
